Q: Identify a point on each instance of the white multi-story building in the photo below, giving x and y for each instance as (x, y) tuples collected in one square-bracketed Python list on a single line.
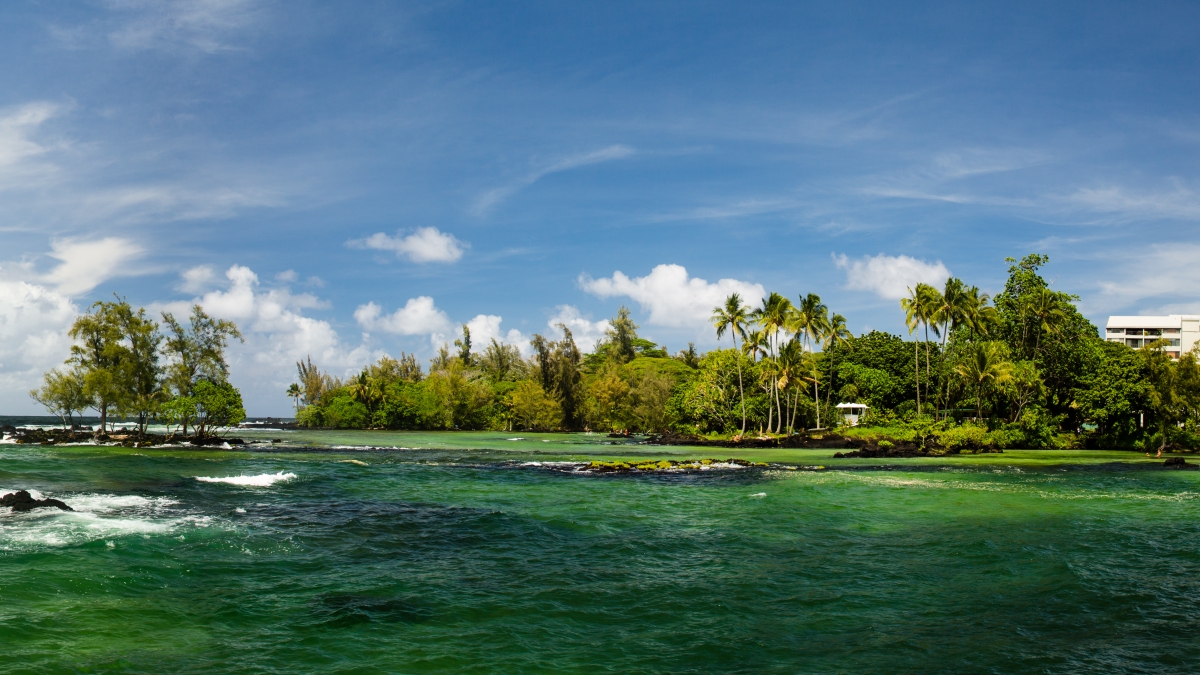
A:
[(1181, 331)]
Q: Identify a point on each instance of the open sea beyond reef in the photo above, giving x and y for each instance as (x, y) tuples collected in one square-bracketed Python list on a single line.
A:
[(376, 552)]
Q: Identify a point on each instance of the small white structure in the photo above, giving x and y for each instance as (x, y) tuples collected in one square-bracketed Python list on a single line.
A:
[(851, 412), (1181, 331)]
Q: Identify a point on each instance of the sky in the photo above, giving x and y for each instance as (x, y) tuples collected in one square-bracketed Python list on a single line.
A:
[(346, 180)]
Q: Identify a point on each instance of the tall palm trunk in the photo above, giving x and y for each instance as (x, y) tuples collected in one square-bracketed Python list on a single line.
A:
[(917, 377), (927, 378), (741, 391), (792, 423)]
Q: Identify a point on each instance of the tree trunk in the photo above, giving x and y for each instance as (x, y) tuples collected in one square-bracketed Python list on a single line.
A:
[(741, 390), (927, 378), (917, 364), (817, 402)]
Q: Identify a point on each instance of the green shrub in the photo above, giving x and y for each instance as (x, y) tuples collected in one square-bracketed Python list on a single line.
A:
[(969, 435)]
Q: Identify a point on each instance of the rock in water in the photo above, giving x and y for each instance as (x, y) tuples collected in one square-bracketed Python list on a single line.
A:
[(1175, 463), (23, 501)]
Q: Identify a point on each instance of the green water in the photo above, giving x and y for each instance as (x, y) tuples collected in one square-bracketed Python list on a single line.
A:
[(461, 557)]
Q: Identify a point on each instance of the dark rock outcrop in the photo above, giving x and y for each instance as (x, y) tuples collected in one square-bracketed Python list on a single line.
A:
[(23, 501), (1177, 463)]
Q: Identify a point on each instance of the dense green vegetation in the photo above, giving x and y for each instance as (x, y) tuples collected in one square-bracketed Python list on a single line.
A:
[(123, 366), (1024, 369)]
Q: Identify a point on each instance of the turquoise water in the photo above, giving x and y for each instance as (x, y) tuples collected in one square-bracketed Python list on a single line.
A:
[(446, 559)]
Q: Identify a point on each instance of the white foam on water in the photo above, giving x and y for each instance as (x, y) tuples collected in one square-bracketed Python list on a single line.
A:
[(758, 494), (96, 517), (261, 480)]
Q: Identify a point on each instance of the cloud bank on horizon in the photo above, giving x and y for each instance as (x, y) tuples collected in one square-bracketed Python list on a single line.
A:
[(363, 182)]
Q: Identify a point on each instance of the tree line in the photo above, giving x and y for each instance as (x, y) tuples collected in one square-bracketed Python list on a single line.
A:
[(1024, 364), (124, 365)]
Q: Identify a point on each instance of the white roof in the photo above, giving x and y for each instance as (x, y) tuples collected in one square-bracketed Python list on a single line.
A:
[(1170, 321), (851, 405)]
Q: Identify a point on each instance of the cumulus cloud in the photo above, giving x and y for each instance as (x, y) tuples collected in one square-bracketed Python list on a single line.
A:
[(34, 321), (277, 335), (427, 244), (86, 264), (890, 277), (586, 332), (492, 197), (195, 279), (486, 327), (670, 296), (418, 316)]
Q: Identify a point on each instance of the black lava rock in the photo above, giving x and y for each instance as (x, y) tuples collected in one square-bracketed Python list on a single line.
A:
[(23, 501)]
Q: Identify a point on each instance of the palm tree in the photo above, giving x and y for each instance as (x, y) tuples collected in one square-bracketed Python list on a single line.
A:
[(293, 392), (791, 362), (773, 316), (929, 300), (733, 317), (366, 390), (912, 320), (836, 333), (985, 366), (810, 321), (1046, 308), (756, 344)]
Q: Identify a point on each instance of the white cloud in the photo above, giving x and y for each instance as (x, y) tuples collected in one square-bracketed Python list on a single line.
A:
[(1165, 275), (427, 244), (196, 279), (18, 149), (492, 197), (277, 336), (195, 25), (287, 276), (890, 277), (419, 316), (485, 327), (737, 209), (34, 321), (1126, 205), (86, 264), (585, 332), (671, 297)]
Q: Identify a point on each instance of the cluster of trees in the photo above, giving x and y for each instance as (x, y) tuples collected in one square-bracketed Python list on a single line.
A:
[(122, 365), (1026, 362), (624, 383)]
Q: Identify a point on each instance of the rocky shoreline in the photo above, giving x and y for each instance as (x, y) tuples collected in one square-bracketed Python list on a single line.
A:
[(28, 436), (858, 447)]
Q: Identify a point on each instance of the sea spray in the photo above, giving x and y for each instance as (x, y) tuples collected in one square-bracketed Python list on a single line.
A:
[(261, 480)]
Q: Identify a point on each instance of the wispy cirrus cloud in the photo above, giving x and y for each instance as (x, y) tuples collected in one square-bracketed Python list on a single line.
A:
[(1124, 204), (734, 209), (485, 202), (23, 161), (206, 26)]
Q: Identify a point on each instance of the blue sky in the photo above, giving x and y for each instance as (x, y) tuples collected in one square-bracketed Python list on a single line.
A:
[(347, 179)]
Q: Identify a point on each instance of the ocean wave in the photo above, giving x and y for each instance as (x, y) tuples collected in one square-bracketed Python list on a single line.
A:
[(261, 480), (95, 517)]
